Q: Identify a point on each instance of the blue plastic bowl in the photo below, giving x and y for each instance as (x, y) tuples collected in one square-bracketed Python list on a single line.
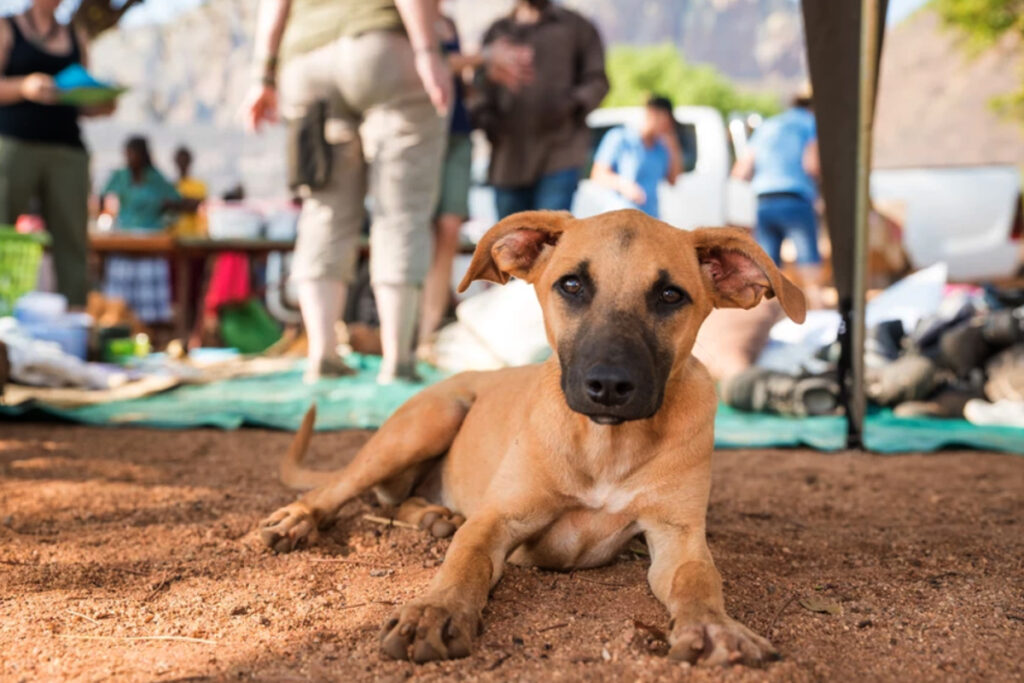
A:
[(70, 331)]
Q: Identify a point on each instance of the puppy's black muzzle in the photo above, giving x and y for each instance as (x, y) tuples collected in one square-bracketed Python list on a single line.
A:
[(612, 379)]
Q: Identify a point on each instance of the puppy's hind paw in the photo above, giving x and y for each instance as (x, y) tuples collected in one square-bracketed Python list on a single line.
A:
[(288, 528)]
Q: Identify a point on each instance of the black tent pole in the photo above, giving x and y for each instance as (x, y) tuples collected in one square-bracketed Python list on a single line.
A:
[(844, 39)]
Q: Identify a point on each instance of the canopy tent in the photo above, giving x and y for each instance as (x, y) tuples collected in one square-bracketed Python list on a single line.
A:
[(844, 46)]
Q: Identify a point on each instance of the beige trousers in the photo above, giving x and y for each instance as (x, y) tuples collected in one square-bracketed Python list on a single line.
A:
[(388, 137)]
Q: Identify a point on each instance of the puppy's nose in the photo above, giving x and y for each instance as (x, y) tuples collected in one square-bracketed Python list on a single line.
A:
[(609, 386)]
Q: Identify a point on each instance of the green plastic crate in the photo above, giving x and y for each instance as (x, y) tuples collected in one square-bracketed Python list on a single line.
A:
[(20, 255)]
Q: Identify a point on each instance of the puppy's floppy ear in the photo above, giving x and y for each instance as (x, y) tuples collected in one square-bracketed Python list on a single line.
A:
[(513, 246), (738, 273)]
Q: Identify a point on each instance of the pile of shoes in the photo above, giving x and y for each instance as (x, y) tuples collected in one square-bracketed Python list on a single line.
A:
[(966, 361)]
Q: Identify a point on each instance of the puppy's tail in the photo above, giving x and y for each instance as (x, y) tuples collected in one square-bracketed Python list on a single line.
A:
[(292, 474)]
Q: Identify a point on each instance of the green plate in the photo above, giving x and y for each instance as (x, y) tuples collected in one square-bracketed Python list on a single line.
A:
[(89, 96)]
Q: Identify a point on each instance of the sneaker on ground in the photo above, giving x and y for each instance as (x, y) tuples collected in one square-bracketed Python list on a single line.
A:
[(911, 377), (1006, 375), (760, 390), (998, 414), (331, 366)]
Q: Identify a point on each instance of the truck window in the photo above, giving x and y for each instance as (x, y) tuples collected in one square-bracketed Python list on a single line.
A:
[(687, 134)]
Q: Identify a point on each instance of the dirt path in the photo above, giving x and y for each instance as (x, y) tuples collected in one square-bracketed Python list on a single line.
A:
[(108, 537)]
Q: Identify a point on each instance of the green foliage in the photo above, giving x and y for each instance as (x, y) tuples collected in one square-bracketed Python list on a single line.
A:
[(636, 72), (984, 22)]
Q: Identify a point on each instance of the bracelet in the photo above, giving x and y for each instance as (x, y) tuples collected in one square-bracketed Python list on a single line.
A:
[(268, 78)]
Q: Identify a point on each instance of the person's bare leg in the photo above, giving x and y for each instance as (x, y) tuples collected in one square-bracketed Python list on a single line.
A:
[(320, 301), (396, 307), (437, 288)]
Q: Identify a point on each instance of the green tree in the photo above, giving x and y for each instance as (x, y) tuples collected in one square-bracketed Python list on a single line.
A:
[(984, 22), (636, 72)]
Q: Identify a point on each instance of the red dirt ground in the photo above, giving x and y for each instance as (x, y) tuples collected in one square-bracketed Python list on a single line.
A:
[(111, 537)]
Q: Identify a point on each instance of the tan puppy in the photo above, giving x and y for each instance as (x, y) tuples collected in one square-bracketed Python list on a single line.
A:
[(560, 464)]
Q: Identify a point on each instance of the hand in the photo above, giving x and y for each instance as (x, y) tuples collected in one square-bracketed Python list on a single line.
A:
[(39, 88), (260, 106), (669, 138), (509, 65), (436, 79), (634, 193)]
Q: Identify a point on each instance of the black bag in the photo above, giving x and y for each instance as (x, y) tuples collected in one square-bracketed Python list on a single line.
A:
[(309, 153)]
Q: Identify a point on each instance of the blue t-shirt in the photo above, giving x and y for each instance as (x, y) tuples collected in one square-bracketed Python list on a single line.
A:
[(141, 204), (778, 146), (624, 151)]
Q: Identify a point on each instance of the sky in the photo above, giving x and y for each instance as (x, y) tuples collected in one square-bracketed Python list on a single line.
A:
[(164, 10)]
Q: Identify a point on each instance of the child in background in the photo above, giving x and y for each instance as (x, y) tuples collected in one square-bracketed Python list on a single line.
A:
[(190, 223)]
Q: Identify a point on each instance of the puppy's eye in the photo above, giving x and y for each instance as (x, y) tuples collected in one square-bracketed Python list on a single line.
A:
[(571, 285), (671, 296)]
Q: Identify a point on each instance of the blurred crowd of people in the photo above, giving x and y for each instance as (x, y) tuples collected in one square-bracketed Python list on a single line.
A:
[(380, 98)]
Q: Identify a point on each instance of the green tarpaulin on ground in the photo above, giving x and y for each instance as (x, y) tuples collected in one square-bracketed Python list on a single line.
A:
[(280, 400)]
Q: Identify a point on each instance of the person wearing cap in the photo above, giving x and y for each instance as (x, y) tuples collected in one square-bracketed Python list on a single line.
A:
[(782, 164), (633, 162)]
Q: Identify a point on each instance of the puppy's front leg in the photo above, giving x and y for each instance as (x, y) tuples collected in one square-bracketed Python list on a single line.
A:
[(683, 576), (443, 623)]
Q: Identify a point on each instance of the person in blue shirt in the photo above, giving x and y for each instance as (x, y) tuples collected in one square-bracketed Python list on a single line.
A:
[(633, 162), (782, 163)]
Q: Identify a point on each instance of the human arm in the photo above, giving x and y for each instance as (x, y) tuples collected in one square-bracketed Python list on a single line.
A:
[(592, 82), (675, 156), (603, 170), (419, 18), (812, 160), (743, 169), (172, 201), (261, 104), (108, 200)]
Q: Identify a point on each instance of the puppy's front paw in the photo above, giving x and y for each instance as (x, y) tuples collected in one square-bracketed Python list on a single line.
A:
[(291, 525), (424, 632), (719, 643)]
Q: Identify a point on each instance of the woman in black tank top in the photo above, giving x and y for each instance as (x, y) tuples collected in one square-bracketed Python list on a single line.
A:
[(42, 157)]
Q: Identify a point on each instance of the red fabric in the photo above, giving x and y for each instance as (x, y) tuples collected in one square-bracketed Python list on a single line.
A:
[(229, 281)]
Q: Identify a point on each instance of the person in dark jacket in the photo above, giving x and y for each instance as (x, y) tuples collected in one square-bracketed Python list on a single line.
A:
[(538, 132)]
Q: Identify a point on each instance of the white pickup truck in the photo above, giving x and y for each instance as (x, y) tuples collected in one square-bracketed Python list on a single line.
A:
[(966, 216)]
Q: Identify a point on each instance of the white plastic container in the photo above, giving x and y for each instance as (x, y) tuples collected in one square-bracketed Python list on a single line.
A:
[(282, 222), (234, 221), (40, 307)]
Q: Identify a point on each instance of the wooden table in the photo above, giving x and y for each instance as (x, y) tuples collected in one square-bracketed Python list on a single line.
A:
[(180, 251)]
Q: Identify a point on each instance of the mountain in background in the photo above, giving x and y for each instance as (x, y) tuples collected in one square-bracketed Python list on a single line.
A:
[(196, 68), (934, 101)]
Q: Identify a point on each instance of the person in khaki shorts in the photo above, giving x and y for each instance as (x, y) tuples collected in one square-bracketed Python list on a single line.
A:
[(377, 65)]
